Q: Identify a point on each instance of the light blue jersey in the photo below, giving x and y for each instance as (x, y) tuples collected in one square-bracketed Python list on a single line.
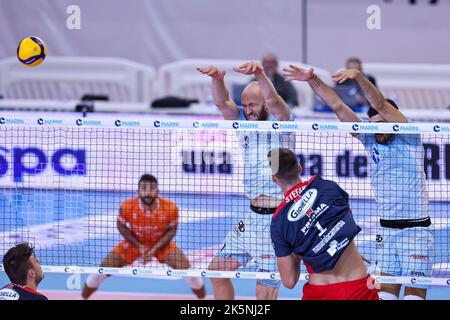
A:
[(256, 145), (397, 176)]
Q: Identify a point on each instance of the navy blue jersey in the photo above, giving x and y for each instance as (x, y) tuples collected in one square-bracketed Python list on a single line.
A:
[(315, 222), (16, 292)]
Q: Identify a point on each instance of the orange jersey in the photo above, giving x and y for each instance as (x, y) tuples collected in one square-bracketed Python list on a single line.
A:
[(148, 226)]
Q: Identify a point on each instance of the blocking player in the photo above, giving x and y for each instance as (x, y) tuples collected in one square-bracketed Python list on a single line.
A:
[(148, 224), (405, 241), (315, 224), (25, 273), (251, 237)]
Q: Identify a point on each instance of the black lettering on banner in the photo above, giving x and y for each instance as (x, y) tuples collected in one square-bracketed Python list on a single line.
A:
[(430, 160), (315, 164), (189, 161), (316, 167), (225, 166), (207, 165), (343, 165), (205, 162), (359, 166)]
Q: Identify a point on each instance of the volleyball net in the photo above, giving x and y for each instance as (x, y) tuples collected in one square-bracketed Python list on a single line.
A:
[(63, 180)]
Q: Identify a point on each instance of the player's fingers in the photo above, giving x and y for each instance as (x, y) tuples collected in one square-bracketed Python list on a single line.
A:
[(298, 69)]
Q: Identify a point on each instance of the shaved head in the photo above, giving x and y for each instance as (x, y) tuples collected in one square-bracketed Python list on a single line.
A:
[(253, 102)]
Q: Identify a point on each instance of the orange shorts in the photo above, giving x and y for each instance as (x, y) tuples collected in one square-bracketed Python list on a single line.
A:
[(130, 253), (349, 290)]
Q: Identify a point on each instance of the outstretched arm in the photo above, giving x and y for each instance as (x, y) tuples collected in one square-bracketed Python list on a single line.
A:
[(327, 94), (372, 94), (275, 104), (220, 93)]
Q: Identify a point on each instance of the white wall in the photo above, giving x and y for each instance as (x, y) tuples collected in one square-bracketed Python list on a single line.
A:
[(160, 31)]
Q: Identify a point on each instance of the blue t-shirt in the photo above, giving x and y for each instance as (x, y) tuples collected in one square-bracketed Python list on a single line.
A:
[(315, 222), (397, 176), (256, 145)]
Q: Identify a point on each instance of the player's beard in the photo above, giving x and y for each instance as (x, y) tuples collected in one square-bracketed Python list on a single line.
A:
[(261, 116), (383, 138), (148, 201)]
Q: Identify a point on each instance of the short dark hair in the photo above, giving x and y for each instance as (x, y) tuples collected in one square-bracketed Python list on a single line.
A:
[(287, 164), (354, 59), (17, 263), (371, 112), (147, 178)]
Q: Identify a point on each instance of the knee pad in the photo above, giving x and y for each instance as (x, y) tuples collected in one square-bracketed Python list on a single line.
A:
[(95, 280)]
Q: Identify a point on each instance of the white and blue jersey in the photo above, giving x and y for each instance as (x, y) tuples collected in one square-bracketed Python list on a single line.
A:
[(397, 176), (256, 145), (404, 242), (315, 222)]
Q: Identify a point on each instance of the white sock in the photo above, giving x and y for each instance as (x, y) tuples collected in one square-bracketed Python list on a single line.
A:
[(95, 280), (194, 283), (383, 295), (412, 297)]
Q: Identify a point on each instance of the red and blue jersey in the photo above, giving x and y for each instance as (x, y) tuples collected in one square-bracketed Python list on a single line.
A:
[(17, 292), (315, 222)]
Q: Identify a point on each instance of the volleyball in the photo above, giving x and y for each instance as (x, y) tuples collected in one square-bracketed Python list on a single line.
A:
[(31, 51)]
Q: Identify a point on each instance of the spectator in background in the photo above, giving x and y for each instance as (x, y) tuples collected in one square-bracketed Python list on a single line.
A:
[(24, 271), (285, 89), (349, 91)]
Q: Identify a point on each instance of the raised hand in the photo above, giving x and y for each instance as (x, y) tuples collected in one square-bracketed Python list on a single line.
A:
[(249, 68), (344, 75), (213, 72), (297, 73)]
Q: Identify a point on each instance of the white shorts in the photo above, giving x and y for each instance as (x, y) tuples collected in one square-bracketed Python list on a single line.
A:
[(250, 240), (406, 252)]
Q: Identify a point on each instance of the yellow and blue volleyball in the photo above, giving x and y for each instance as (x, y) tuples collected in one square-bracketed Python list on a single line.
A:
[(31, 51)]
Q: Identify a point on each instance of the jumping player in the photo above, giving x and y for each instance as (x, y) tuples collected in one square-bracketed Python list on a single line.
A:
[(315, 224), (148, 224), (251, 237), (405, 242)]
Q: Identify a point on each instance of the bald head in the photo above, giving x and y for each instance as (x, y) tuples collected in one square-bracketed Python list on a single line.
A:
[(253, 102)]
